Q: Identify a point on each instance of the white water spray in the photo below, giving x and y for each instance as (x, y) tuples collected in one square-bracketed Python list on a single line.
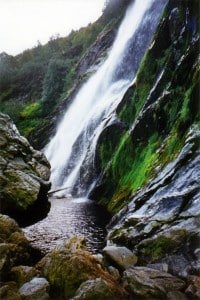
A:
[(98, 98)]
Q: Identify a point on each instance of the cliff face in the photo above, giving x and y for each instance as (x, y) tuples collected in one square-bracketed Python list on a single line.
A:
[(150, 175)]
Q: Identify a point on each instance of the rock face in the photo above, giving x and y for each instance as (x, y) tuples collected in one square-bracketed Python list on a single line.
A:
[(24, 175), (150, 177)]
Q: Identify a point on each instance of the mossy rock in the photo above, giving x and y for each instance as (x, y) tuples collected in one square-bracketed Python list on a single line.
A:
[(68, 267), (24, 175), (14, 246)]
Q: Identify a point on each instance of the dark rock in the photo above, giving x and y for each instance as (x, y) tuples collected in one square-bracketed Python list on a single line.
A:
[(9, 291), (149, 283), (122, 257), (98, 289), (96, 53), (14, 247), (36, 289), (22, 274), (176, 295), (24, 175)]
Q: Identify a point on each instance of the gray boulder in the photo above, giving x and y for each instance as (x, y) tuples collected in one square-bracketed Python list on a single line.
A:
[(120, 256), (97, 289), (36, 289)]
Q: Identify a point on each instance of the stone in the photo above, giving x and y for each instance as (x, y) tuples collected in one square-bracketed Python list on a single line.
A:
[(24, 176), (114, 272), (98, 289), (193, 289), (36, 289), (176, 295), (120, 256), (67, 267), (14, 247), (22, 274), (9, 291), (149, 283)]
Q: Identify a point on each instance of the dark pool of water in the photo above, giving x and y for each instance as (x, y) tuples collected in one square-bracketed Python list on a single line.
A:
[(69, 217)]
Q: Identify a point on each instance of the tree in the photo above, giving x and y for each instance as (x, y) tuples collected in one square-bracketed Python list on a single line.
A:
[(53, 83)]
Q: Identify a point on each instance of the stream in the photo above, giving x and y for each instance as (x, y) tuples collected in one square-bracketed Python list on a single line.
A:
[(68, 217)]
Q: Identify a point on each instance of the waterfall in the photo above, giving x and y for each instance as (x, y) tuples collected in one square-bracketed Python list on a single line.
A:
[(74, 143)]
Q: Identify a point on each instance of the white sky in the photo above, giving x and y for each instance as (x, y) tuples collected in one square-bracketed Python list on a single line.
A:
[(24, 22)]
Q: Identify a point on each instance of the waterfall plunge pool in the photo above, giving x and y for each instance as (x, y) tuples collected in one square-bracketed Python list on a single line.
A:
[(69, 217)]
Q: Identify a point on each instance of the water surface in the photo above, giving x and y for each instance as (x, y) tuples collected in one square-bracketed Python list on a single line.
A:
[(69, 217)]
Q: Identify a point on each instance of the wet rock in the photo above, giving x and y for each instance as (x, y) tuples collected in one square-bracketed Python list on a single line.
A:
[(120, 256), (150, 284), (114, 272), (67, 267), (9, 291), (36, 289), (161, 222), (24, 175), (96, 53), (98, 289), (14, 247), (22, 274)]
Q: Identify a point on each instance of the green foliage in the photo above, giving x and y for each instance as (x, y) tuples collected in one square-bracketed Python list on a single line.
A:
[(156, 249), (13, 109), (44, 72), (131, 168), (30, 110), (53, 84), (29, 118)]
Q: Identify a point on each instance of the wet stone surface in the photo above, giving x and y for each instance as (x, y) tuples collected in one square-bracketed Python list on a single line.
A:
[(69, 217)]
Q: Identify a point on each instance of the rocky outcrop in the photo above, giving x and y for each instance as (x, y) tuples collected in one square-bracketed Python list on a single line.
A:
[(150, 179), (24, 175), (95, 55)]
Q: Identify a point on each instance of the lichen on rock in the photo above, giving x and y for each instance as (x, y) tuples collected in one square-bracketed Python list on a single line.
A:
[(24, 175)]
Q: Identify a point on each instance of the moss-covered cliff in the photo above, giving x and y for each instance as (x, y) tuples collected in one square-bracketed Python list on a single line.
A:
[(158, 110)]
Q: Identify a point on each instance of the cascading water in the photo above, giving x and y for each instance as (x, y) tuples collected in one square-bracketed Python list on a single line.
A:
[(74, 144)]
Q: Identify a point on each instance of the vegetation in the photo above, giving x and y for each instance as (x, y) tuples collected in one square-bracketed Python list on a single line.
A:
[(165, 98), (46, 74)]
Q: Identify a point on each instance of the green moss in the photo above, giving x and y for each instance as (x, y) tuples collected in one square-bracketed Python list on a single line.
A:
[(30, 110), (131, 168), (156, 249)]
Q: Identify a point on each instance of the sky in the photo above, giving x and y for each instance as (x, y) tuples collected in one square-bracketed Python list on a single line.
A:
[(25, 22)]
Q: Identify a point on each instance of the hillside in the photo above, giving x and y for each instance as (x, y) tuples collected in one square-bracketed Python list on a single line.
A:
[(33, 84)]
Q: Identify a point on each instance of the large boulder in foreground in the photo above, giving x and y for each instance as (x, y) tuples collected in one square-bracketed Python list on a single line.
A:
[(24, 175), (70, 266)]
